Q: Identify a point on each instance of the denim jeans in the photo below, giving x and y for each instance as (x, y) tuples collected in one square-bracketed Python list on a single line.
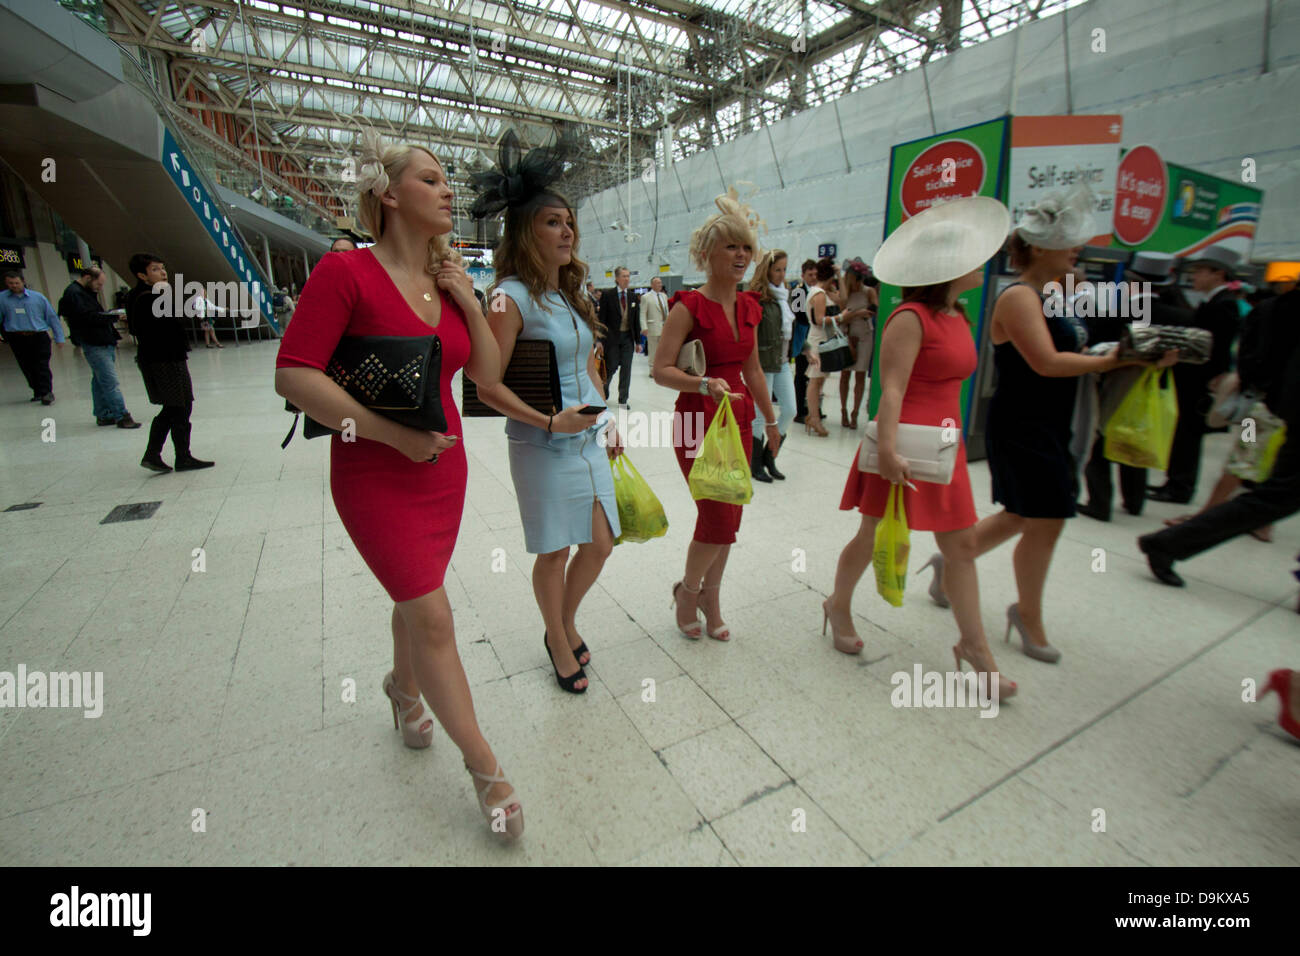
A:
[(780, 386), (104, 391)]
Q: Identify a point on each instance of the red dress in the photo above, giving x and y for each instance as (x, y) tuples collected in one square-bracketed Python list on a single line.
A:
[(403, 516), (724, 355), (933, 397)]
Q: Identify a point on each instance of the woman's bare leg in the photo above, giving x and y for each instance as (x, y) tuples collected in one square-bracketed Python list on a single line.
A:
[(583, 571), (433, 659), (853, 563), (548, 588), (1032, 558)]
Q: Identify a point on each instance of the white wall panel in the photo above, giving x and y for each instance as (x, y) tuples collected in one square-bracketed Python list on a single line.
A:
[(1187, 76)]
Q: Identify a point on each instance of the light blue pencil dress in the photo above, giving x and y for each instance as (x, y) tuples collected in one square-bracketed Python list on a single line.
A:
[(558, 477)]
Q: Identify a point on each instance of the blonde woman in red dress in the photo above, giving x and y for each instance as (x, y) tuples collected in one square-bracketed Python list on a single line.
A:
[(724, 320), (400, 491), (926, 353)]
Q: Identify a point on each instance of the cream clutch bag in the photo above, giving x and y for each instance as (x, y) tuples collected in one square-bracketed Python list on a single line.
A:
[(691, 357), (930, 451)]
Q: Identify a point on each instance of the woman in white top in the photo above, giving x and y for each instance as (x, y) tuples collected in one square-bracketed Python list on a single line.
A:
[(821, 321)]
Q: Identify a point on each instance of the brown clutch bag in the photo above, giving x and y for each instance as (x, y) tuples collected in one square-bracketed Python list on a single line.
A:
[(532, 374)]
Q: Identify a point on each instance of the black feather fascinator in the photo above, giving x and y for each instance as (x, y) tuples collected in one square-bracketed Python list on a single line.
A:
[(518, 178)]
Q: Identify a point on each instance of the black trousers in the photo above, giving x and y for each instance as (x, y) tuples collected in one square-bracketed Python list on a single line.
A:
[(619, 350), (1097, 474), (32, 350), (174, 419), (1185, 455), (1270, 501)]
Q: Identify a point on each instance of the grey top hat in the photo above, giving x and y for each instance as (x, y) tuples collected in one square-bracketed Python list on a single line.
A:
[(1152, 266), (1217, 256)]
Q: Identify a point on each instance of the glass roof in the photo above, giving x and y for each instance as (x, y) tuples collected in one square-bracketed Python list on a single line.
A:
[(458, 73)]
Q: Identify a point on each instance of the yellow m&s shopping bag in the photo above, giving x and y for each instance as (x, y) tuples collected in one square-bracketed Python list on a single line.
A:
[(892, 549), (721, 469), (640, 514), (1141, 432)]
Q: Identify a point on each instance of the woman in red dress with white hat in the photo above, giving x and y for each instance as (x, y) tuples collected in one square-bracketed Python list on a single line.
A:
[(926, 353)]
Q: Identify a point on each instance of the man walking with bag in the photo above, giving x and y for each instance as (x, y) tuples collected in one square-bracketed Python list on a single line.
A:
[(1274, 499)]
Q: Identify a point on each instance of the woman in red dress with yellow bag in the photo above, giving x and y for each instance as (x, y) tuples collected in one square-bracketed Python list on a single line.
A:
[(926, 353), (723, 320)]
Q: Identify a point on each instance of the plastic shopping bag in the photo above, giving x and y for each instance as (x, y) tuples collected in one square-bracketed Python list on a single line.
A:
[(721, 470), (1260, 437), (892, 549), (1141, 432), (639, 512)]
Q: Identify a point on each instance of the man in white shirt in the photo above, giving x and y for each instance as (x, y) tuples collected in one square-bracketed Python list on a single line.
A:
[(654, 311)]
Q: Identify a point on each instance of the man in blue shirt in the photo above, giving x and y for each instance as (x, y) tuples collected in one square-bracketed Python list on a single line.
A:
[(26, 319)]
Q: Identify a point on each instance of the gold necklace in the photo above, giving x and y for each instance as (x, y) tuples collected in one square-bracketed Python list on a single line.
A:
[(428, 297)]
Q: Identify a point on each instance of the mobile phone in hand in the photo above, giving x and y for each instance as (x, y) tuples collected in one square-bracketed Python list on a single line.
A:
[(591, 410)]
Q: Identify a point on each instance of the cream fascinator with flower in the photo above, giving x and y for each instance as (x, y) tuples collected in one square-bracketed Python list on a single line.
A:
[(1060, 220)]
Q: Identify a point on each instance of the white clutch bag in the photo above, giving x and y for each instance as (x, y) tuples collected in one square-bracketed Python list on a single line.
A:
[(691, 357), (930, 451)]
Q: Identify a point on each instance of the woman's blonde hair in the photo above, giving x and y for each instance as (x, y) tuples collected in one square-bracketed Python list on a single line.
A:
[(733, 222), (762, 283), (380, 166), (518, 256)]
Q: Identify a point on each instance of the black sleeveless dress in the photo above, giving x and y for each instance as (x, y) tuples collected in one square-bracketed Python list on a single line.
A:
[(1029, 428)]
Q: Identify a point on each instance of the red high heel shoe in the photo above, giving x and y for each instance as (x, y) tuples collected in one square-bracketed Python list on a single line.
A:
[(1280, 681)]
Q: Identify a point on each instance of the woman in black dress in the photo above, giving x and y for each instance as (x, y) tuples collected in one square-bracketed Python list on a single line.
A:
[(1036, 342)]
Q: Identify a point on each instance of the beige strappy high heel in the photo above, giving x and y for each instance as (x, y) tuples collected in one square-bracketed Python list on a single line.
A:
[(418, 733), (722, 632), (507, 825), (694, 632)]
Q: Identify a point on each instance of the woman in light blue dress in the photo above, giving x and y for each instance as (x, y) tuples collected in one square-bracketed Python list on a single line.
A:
[(559, 463)]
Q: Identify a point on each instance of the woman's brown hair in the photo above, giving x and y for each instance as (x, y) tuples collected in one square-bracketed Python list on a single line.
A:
[(762, 282), (518, 256), (933, 296), (1020, 255)]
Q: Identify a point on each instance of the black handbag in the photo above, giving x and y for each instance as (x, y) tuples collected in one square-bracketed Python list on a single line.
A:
[(533, 374), (394, 375), (835, 354)]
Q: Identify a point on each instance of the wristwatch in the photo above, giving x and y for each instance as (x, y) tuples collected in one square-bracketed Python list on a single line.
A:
[(704, 385)]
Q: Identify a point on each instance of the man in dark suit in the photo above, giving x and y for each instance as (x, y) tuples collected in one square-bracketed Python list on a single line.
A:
[(1274, 365), (1147, 269), (620, 313), (798, 305), (1211, 272)]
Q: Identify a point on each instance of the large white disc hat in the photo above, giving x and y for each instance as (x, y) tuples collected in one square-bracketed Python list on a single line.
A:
[(943, 242)]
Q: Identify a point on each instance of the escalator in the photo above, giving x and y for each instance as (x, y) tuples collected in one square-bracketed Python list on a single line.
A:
[(85, 129)]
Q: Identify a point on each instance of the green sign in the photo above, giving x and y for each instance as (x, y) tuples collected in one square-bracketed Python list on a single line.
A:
[(1204, 210), (963, 162)]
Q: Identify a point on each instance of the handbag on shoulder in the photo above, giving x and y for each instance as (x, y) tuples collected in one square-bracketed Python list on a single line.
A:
[(930, 451), (394, 375), (533, 374)]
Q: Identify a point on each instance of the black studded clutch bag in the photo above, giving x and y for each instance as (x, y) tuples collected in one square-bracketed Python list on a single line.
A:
[(394, 375)]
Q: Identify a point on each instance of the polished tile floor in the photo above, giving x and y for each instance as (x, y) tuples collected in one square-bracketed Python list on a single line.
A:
[(224, 696)]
